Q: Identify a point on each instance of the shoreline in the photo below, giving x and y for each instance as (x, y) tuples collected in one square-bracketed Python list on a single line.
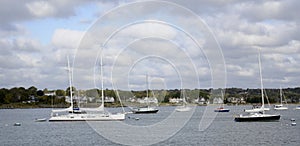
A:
[(115, 105)]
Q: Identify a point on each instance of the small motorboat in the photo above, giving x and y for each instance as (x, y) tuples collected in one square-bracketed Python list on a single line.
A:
[(145, 110), (40, 120), (17, 124), (221, 109)]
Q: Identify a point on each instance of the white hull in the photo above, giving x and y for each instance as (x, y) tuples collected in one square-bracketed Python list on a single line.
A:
[(183, 109), (255, 115), (297, 108), (257, 110), (41, 120), (88, 117), (280, 107)]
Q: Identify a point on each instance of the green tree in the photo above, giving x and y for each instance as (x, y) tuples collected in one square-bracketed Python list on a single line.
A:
[(40, 93), (8, 98), (32, 91), (60, 92), (3, 92), (68, 91)]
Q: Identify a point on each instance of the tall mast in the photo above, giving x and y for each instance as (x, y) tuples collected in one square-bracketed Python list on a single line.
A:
[(147, 90), (70, 83), (102, 93), (147, 85), (261, 83), (280, 95)]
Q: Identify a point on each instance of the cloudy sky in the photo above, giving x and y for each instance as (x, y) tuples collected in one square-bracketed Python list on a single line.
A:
[(189, 44)]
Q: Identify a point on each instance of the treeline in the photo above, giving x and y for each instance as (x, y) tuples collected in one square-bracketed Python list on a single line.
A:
[(30, 97), (291, 95), (46, 98)]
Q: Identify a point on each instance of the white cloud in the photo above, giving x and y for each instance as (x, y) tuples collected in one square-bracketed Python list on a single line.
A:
[(67, 39), (240, 27), (41, 8)]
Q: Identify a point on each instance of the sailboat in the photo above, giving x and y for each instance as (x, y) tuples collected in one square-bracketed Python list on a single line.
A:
[(222, 109), (280, 106), (147, 109), (260, 116), (183, 107), (90, 114)]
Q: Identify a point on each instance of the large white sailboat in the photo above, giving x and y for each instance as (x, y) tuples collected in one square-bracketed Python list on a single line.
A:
[(280, 106), (260, 116), (146, 109), (89, 114)]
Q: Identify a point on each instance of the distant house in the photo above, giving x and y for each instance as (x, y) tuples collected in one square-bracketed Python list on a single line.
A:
[(50, 94), (147, 100), (235, 100), (200, 100), (175, 100), (109, 99), (31, 99), (218, 100)]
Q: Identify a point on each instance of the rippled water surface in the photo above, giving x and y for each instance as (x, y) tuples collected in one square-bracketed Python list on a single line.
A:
[(222, 131)]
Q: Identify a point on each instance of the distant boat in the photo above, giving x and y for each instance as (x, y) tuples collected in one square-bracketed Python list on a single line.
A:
[(297, 108), (146, 109), (280, 106), (260, 116), (74, 113), (17, 124), (222, 109), (40, 120), (184, 107)]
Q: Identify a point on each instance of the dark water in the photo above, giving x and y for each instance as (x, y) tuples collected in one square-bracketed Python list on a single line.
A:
[(222, 131)]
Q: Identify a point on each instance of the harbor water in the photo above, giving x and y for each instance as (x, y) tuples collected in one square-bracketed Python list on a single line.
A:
[(222, 131)]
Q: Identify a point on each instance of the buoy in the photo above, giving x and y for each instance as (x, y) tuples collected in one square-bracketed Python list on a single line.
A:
[(17, 124), (293, 124)]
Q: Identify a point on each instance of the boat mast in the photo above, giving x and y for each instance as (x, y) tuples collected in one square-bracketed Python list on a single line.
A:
[(261, 83), (280, 95), (147, 90), (102, 93), (70, 83)]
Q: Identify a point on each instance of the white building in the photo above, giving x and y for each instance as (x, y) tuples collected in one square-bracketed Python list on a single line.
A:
[(147, 100), (175, 100)]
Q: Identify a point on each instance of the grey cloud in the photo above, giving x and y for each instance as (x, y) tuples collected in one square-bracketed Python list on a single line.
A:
[(13, 11)]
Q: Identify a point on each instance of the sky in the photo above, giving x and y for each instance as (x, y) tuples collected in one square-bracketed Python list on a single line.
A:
[(149, 44)]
